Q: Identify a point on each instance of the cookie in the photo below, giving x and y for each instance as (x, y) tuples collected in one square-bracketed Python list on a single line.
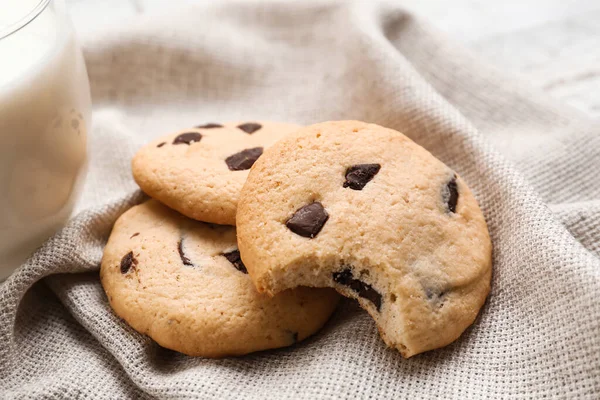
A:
[(365, 210), (182, 283), (200, 171)]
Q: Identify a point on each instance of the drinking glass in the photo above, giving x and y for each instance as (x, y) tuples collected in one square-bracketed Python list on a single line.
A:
[(45, 112)]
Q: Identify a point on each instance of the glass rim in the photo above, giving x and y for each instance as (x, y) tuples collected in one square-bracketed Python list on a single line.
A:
[(25, 20)]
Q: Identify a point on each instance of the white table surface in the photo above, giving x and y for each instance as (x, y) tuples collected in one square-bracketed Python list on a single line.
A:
[(555, 44)]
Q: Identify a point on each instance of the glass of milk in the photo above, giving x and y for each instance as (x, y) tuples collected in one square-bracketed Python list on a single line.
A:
[(44, 118)]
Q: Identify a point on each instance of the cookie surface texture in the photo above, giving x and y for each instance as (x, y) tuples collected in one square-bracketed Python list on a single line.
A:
[(182, 283), (365, 210), (200, 171)]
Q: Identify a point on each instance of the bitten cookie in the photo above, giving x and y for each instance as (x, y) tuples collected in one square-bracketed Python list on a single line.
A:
[(182, 283), (365, 210), (200, 172)]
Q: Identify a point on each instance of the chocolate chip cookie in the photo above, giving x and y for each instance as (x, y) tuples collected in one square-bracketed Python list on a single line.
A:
[(365, 210), (200, 171), (183, 283)]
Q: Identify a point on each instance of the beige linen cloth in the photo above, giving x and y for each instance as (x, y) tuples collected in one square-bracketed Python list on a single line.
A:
[(533, 164)]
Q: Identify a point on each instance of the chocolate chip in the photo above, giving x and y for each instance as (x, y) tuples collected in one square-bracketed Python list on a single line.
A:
[(134, 235), (184, 259), (243, 160), (250, 127), (127, 262), (187, 138), (308, 220), (161, 144), (234, 258), (295, 337), (210, 125), (364, 290), (357, 176), (75, 123), (343, 277), (450, 194)]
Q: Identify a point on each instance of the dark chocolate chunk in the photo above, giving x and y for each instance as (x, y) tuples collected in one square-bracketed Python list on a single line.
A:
[(450, 194), (250, 127), (184, 259), (134, 235), (364, 290), (127, 262), (357, 176), (187, 138), (210, 125), (161, 144), (243, 160), (234, 258), (308, 221), (343, 277)]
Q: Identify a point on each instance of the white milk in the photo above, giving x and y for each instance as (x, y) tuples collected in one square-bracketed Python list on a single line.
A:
[(44, 101)]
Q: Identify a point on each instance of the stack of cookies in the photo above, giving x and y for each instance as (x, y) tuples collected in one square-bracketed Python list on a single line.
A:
[(256, 228)]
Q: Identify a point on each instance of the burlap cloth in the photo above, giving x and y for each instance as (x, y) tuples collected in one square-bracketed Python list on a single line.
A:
[(533, 164)]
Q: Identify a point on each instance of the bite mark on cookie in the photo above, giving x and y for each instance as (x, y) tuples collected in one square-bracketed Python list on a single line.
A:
[(210, 125), (127, 262), (187, 138), (234, 258), (244, 159), (364, 290), (184, 259), (308, 220), (357, 176), (250, 127), (450, 194)]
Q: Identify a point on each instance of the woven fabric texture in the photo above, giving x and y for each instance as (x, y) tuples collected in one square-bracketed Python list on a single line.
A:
[(532, 163)]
